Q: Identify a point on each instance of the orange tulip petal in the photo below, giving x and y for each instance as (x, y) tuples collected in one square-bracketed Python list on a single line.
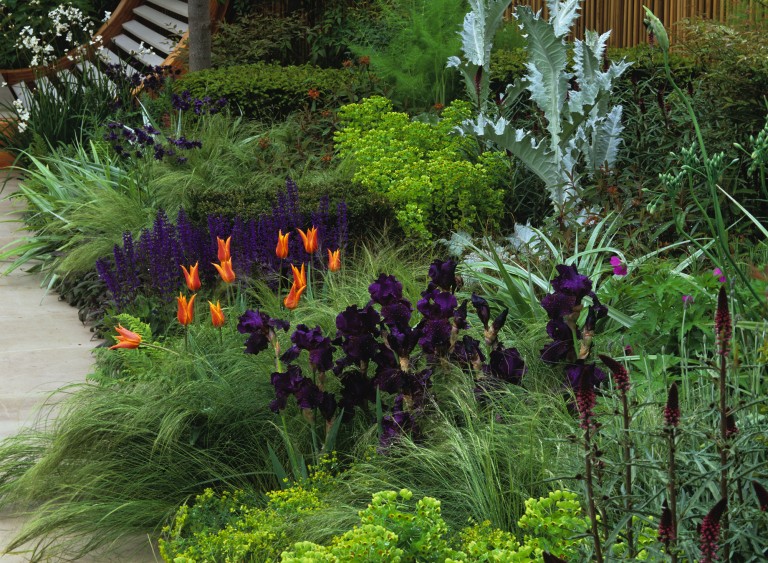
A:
[(126, 339)]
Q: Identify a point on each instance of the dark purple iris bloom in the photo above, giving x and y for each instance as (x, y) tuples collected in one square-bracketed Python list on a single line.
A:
[(402, 340), (435, 304), (308, 395), (386, 290), (460, 316), (286, 384), (319, 347), (397, 313), (327, 406), (507, 364), (391, 380), (436, 336), (356, 322), (467, 352), (558, 305), (482, 308), (394, 425), (443, 274), (578, 371), (261, 328), (558, 329), (557, 352), (570, 282), (357, 390)]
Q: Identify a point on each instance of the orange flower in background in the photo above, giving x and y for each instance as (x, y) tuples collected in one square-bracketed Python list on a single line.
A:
[(217, 315), (192, 277), (334, 260), (282, 245), (310, 239), (126, 339), (299, 276), (186, 311), (364, 60), (291, 301), (225, 270), (313, 93), (224, 249)]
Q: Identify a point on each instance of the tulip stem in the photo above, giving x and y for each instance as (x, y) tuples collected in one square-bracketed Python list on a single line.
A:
[(221, 337), (310, 293), (186, 338)]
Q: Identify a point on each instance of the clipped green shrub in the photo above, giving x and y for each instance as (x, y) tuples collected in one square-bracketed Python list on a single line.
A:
[(267, 91), (434, 178)]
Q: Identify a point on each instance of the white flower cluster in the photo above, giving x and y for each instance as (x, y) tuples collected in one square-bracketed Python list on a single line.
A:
[(67, 22), (23, 114)]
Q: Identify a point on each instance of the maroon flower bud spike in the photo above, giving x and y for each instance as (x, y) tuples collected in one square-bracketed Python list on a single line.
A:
[(672, 409), (762, 495), (667, 533), (723, 323), (620, 373), (709, 536)]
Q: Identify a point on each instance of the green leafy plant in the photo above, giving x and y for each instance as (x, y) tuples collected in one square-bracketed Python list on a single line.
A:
[(423, 35), (422, 168), (582, 128)]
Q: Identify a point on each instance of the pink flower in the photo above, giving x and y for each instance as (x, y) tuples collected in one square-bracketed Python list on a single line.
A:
[(687, 300), (619, 268), (717, 272)]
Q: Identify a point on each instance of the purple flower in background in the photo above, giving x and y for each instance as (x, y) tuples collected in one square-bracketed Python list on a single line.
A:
[(319, 347), (619, 268), (482, 308), (435, 304), (507, 364), (443, 274), (687, 300), (394, 425), (718, 273), (386, 290), (261, 328), (570, 282)]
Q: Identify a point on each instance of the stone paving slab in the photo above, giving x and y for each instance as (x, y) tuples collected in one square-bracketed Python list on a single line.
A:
[(43, 346)]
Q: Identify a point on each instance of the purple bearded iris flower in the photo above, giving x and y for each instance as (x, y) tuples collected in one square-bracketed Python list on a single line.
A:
[(570, 282), (386, 290), (261, 328), (319, 347), (394, 425), (507, 364), (356, 333), (483, 309), (443, 274)]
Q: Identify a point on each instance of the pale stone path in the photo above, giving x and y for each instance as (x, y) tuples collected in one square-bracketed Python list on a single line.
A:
[(43, 346)]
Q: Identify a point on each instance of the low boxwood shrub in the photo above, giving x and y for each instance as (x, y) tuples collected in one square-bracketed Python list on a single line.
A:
[(269, 91)]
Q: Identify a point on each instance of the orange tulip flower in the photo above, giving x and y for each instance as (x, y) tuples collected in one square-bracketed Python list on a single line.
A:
[(192, 277), (224, 249), (334, 260), (126, 339), (217, 315), (299, 276), (291, 301), (186, 311), (310, 239), (282, 245), (225, 270)]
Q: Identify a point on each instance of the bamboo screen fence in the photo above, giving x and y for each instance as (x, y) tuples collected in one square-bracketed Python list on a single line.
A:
[(623, 17)]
